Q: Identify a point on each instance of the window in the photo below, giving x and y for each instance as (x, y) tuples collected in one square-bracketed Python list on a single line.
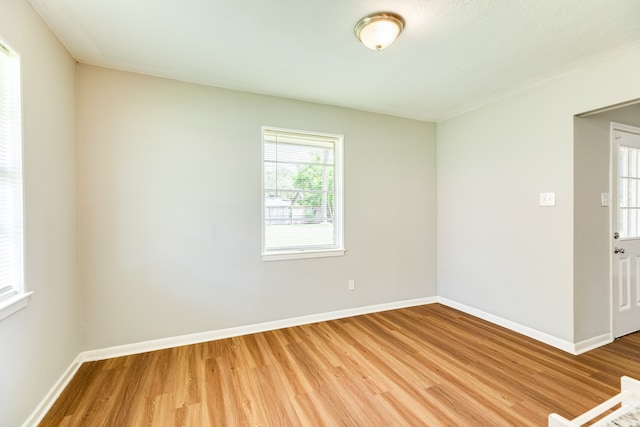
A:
[(628, 191), (302, 194), (12, 295)]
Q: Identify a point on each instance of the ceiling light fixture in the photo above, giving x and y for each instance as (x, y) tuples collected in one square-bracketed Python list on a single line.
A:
[(379, 30)]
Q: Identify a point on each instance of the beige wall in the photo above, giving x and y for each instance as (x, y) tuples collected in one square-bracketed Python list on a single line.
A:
[(592, 233), (169, 208), (497, 250), (38, 344)]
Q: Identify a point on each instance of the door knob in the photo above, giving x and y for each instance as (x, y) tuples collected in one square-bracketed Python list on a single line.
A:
[(618, 250)]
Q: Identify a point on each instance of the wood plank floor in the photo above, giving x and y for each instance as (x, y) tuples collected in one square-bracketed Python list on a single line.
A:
[(420, 366)]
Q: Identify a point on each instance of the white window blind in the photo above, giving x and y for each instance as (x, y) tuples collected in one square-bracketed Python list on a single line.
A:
[(11, 277), (302, 198)]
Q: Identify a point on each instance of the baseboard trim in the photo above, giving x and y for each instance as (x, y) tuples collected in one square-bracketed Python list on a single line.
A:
[(50, 398), (163, 343), (591, 343), (514, 326)]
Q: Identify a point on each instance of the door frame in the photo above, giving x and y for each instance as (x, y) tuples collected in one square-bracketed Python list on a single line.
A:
[(613, 180)]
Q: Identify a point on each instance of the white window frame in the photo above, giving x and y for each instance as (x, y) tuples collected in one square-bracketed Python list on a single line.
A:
[(13, 295), (336, 249)]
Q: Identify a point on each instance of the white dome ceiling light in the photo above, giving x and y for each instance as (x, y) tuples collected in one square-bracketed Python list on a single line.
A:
[(379, 30)]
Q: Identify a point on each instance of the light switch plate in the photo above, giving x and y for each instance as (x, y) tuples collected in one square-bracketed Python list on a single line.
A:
[(547, 199), (604, 200)]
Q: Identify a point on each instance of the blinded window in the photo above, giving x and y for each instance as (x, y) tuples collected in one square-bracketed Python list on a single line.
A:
[(302, 198), (11, 280)]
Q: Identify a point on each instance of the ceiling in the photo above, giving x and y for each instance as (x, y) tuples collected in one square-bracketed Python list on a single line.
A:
[(454, 55)]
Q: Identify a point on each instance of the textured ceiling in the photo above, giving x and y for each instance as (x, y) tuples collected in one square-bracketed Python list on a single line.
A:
[(453, 55)]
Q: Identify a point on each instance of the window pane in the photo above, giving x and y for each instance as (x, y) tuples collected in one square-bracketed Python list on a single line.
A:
[(629, 192), (10, 174), (299, 235), (623, 161), (294, 153), (633, 162), (623, 193), (632, 201), (299, 181)]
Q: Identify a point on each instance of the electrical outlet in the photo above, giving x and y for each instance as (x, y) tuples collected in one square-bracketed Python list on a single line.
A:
[(352, 285)]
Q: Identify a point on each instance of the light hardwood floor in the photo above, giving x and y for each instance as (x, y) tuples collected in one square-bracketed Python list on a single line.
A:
[(420, 366)]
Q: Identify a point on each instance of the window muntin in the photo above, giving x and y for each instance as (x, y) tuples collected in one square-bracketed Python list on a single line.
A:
[(11, 219), (302, 193)]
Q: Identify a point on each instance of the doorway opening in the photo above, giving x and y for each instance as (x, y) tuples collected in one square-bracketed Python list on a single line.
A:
[(593, 226)]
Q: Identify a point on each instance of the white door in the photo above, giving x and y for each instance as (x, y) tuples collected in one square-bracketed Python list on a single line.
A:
[(625, 221)]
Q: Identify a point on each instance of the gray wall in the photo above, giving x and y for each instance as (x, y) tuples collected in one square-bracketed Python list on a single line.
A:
[(39, 343), (169, 210), (497, 250), (592, 233)]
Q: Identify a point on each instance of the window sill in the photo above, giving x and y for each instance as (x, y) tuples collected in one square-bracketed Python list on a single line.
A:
[(285, 255), (13, 304)]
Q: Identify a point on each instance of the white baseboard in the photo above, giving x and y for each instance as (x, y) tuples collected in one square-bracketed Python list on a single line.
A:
[(159, 344), (50, 398), (516, 327), (591, 343)]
